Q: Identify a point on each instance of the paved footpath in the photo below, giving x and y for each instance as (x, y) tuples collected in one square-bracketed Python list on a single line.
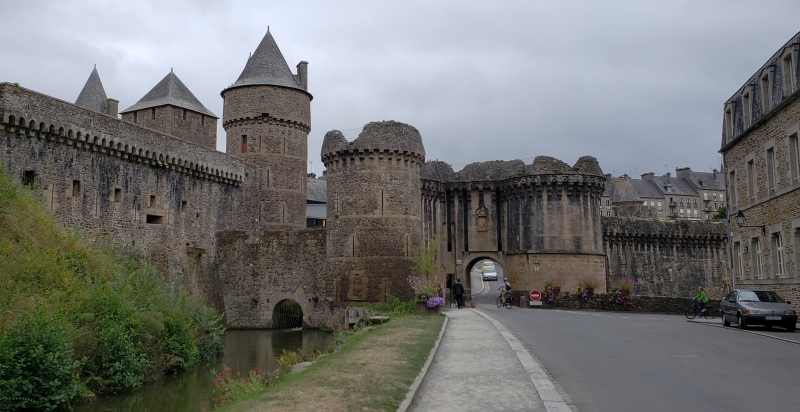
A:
[(481, 366)]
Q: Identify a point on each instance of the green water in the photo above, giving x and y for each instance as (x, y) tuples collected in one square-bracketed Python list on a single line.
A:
[(192, 390)]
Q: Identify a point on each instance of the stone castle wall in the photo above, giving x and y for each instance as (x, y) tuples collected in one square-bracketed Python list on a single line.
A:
[(107, 177), (667, 258), (260, 268), (182, 123)]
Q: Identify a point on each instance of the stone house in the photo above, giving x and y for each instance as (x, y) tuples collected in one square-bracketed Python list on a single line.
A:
[(761, 124)]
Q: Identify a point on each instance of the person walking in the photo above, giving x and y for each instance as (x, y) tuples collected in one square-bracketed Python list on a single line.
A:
[(458, 292)]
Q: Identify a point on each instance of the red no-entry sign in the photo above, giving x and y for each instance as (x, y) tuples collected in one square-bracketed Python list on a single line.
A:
[(536, 295)]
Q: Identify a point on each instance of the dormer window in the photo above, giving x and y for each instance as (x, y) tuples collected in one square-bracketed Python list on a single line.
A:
[(747, 108), (766, 92), (788, 72)]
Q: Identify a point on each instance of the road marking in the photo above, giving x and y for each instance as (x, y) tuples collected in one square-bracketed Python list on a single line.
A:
[(545, 385)]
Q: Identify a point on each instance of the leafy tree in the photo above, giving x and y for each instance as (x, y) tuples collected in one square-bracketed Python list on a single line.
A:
[(425, 259), (722, 213)]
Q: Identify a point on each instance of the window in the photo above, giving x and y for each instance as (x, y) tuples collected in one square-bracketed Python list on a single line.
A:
[(729, 123), (737, 260), (751, 180), (184, 114), (772, 172), (715, 197), (721, 197), (794, 157), (659, 205), (797, 251), (778, 264), (202, 119), (244, 143), (705, 195), (733, 183), (695, 213), (117, 195), (183, 205), (652, 203), (155, 219), (136, 117), (154, 113), (76, 188), (747, 107), (766, 94), (28, 178), (788, 75), (756, 260), (681, 212)]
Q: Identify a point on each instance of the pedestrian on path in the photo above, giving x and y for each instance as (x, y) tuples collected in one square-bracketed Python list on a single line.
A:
[(458, 292)]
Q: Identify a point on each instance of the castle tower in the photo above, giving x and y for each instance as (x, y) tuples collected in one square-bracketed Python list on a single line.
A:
[(170, 107), (374, 216), (93, 96), (267, 117)]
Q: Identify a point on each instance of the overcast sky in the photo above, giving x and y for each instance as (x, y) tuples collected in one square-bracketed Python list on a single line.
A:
[(638, 84)]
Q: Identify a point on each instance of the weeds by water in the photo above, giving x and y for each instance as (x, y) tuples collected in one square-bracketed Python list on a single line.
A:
[(78, 319)]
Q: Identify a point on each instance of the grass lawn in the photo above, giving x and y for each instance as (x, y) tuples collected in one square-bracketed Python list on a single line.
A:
[(372, 371)]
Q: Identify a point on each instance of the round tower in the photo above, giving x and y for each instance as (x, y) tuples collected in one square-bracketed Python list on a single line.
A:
[(374, 216), (267, 118)]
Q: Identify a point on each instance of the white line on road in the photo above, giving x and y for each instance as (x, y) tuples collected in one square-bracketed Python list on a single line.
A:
[(545, 385)]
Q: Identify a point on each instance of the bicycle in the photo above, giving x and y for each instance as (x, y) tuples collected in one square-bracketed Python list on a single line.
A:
[(508, 303), (694, 311)]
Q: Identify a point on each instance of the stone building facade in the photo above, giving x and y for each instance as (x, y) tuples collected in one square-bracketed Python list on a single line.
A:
[(761, 125)]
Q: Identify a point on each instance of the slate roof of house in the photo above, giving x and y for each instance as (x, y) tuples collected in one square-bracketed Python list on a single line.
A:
[(679, 186), (317, 191), (170, 91), (646, 189), (266, 66), (93, 96), (712, 182), (625, 192)]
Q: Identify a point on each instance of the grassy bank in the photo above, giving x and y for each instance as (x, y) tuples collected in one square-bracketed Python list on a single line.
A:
[(372, 371), (79, 319)]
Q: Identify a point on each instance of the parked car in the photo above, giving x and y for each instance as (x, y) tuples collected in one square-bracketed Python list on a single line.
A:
[(757, 307), (490, 274)]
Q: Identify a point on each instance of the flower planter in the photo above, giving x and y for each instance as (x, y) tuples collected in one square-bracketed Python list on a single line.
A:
[(423, 309)]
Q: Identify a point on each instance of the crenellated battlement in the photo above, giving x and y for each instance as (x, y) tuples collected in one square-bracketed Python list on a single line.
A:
[(267, 119), (25, 113)]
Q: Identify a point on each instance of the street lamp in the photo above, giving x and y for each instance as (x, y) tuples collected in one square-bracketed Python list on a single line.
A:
[(740, 219)]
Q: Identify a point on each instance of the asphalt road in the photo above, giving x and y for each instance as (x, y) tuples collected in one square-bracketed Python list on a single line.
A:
[(609, 361)]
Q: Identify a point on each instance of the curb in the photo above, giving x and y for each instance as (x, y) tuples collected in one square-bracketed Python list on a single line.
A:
[(551, 394), (715, 325), (412, 390)]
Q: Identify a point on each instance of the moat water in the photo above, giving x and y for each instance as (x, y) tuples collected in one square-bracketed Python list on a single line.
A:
[(192, 390)]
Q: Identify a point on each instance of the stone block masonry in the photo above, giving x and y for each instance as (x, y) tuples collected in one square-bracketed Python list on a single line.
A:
[(667, 258)]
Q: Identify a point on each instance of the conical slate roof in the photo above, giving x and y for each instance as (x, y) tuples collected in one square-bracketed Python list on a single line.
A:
[(93, 96), (170, 91), (267, 67)]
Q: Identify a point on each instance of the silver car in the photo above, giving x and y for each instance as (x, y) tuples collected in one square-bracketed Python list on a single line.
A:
[(490, 274), (757, 307)]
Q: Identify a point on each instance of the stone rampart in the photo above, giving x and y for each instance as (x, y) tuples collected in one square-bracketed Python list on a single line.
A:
[(667, 258)]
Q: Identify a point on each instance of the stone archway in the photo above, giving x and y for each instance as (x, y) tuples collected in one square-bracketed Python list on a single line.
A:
[(287, 314), (474, 259)]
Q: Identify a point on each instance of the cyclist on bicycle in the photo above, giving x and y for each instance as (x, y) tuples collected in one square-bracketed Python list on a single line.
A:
[(701, 299), (505, 288)]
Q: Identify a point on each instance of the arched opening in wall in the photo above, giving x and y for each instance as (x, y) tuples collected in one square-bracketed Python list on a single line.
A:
[(485, 269), (287, 315)]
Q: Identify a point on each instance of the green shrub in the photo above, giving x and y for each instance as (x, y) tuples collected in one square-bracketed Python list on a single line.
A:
[(37, 370), (79, 318)]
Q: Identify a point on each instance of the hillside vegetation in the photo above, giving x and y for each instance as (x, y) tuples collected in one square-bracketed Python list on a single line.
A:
[(79, 319)]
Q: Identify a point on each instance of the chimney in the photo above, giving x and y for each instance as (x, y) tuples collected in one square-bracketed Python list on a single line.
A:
[(648, 176), (302, 74), (683, 172), (714, 172), (112, 107)]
